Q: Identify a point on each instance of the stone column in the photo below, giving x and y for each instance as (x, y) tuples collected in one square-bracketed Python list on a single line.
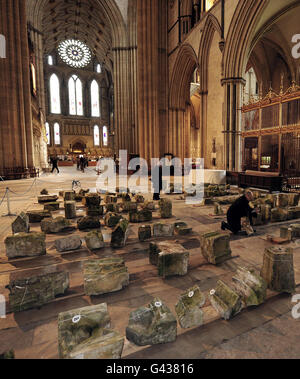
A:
[(16, 146)]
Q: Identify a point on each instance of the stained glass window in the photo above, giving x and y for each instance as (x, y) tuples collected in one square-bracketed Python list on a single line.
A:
[(47, 133), (96, 135), (95, 99), (75, 53), (75, 96), (105, 136), (54, 95), (56, 134)]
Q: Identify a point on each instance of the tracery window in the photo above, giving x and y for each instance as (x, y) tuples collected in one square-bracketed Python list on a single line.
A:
[(47, 133), (105, 136), (95, 102), (96, 135), (75, 96), (57, 134), (54, 95)]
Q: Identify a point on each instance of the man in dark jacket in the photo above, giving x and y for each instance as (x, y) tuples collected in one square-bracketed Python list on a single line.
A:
[(240, 208), (54, 162), (157, 177)]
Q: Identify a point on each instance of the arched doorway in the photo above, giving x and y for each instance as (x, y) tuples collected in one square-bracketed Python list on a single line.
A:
[(78, 148)]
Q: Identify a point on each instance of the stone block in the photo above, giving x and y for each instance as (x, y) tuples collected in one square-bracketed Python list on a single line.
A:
[(68, 244), (293, 213), (165, 208), (21, 224), (38, 216), (94, 240), (112, 219), (188, 308), (218, 211), (129, 206), (278, 269), (113, 207), (47, 199), (105, 276), (170, 258), (140, 216), (163, 230), (120, 234), (55, 225), (279, 214), (265, 211), (35, 291), (151, 325), (107, 344), (92, 199), (70, 210), (44, 192), (69, 195), (250, 286), (148, 205), (79, 326), (52, 207), (95, 211), (86, 223), (226, 301), (145, 233), (25, 245), (182, 229), (125, 197), (215, 247), (139, 199), (110, 199), (290, 232)]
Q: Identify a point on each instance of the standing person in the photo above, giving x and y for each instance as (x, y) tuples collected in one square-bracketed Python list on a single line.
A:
[(78, 162), (157, 181), (240, 208), (54, 162), (82, 163)]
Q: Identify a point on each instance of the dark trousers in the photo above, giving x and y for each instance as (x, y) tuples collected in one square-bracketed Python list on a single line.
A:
[(55, 167), (233, 223)]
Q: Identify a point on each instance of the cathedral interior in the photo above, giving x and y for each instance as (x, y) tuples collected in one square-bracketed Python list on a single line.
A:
[(210, 81)]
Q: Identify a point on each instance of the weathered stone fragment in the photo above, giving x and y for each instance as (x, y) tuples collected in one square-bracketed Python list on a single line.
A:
[(139, 198), (293, 213), (140, 216), (38, 216), (70, 209), (80, 326), (250, 286), (113, 207), (94, 240), (290, 232), (170, 258), (95, 211), (218, 211), (35, 291), (278, 269), (25, 245), (226, 302), (47, 199), (206, 201), (288, 199), (125, 197), (149, 205), (215, 247), (110, 199), (106, 344), (279, 214), (152, 324), (8, 355), (182, 229), (52, 207), (165, 208), (55, 225), (163, 230), (44, 192), (188, 308), (69, 196), (92, 199), (145, 233), (68, 244), (120, 234), (21, 224), (265, 211), (112, 219), (86, 223), (105, 276), (129, 206)]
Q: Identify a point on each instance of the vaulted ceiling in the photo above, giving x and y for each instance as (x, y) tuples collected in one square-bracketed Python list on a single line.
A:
[(77, 19)]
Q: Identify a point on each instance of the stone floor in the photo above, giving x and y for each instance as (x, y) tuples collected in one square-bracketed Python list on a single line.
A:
[(268, 331)]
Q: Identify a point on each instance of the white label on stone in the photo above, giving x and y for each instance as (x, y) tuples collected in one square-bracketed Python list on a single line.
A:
[(158, 304), (76, 319), (212, 292), (191, 294)]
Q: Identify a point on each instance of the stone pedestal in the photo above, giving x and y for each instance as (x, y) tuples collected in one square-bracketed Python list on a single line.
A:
[(188, 308), (68, 244), (120, 234), (21, 224), (170, 258), (105, 276), (151, 325), (278, 269), (94, 240), (70, 210), (165, 208), (55, 225), (215, 247), (226, 302), (36, 291), (25, 245), (250, 286), (79, 326)]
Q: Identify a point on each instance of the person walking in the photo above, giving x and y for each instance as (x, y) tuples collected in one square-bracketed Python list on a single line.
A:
[(54, 162), (240, 208), (82, 163), (157, 181)]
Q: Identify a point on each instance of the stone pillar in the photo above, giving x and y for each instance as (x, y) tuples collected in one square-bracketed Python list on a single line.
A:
[(16, 137), (232, 122)]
